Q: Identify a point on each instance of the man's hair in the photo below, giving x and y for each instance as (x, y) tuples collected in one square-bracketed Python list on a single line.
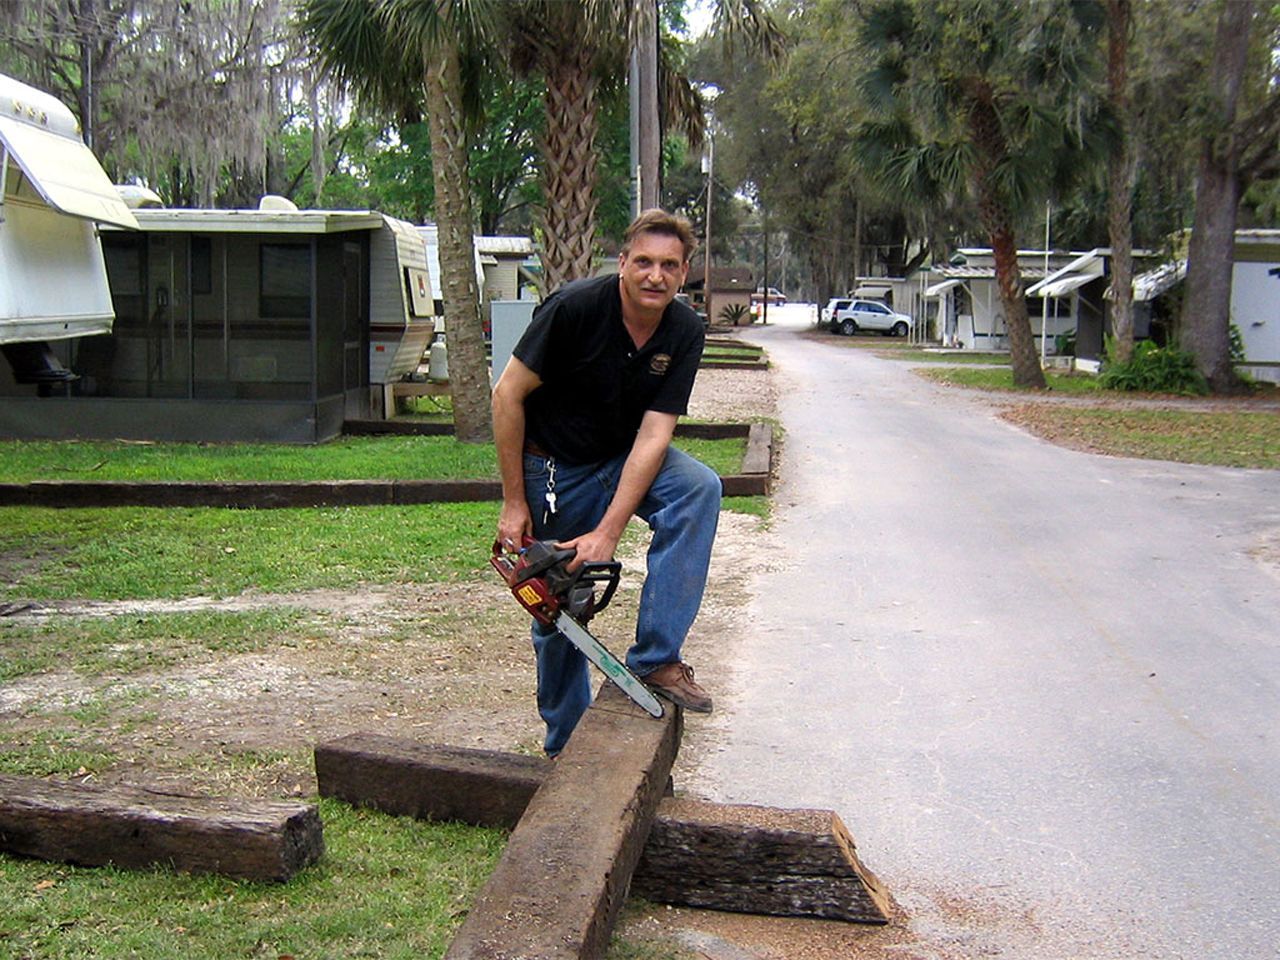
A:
[(660, 222)]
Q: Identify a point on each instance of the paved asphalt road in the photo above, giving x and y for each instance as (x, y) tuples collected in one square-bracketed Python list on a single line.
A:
[(1042, 688)]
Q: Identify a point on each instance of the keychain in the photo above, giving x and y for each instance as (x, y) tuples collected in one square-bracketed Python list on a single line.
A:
[(551, 490)]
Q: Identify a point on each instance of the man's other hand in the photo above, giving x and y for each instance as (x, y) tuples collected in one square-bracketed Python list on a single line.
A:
[(591, 547)]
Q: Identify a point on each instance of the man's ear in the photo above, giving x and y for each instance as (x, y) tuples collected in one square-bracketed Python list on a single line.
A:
[(622, 259)]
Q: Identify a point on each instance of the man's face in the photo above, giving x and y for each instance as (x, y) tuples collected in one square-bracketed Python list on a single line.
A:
[(652, 271)]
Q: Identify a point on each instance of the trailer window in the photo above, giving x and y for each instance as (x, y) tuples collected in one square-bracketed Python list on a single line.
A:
[(284, 280)]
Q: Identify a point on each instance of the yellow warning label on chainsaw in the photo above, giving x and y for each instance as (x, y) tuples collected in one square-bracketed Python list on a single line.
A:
[(528, 595)]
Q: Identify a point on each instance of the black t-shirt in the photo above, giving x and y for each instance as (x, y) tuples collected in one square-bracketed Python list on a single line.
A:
[(596, 386)]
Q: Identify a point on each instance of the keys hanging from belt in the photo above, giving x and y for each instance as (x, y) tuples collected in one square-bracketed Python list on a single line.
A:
[(551, 490)]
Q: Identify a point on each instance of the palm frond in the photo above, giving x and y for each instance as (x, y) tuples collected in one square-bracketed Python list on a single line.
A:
[(749, 24)]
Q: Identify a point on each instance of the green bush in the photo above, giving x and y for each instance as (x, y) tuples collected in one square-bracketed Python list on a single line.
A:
[(1153, 369), (1237, 344), (734, 313)]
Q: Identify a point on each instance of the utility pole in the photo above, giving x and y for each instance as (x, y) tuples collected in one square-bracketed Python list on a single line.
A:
[(709, 168), (764, 222), (646, 122)]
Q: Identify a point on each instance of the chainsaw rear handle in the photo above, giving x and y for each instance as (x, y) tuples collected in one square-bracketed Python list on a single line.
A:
[(541, 558)]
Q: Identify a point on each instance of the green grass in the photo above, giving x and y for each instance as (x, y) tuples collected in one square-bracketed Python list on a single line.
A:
[(47, 754), (128, 553), (138, 552), (346, 458), (387, 887), (130, 643), (967, 358), (1002, 379), (1221, 438)]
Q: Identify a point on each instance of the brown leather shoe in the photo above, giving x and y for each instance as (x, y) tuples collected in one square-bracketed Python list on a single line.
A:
[(675, 682)]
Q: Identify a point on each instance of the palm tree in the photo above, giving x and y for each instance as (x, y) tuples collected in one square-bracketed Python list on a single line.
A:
[(988, 95), (581, 49), (569, 44), (397, 54)]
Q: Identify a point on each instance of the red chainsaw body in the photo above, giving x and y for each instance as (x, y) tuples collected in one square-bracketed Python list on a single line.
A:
[(540, 580), (532, 592)]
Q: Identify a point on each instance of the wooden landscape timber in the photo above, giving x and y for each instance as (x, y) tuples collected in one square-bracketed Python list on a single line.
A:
[(740, 858), (132, 828), (563, 878)]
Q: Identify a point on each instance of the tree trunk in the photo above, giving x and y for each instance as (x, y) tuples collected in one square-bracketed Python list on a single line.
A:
[(569, 166), (1206, 309), (1120, 178), (464, 333), (989, 141), (318, 166)]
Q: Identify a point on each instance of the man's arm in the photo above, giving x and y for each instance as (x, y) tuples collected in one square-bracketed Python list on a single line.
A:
[(638, 472), (515, 384)]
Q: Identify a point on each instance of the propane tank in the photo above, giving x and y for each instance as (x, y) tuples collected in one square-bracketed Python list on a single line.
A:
[(438, 360)]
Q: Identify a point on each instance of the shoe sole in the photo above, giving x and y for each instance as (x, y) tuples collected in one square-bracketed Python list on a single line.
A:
[(680, 701)]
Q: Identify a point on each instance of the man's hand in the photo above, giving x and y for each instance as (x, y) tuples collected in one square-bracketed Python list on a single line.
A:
[(514, 524), (595, 546)]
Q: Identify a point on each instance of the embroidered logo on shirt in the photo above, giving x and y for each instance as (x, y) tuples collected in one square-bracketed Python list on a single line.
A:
[(659, 362)]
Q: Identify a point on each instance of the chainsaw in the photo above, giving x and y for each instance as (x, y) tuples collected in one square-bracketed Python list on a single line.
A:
[(539, 578)]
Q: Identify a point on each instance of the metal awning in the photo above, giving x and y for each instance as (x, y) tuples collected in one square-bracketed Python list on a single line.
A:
[(40, 136), (938, 289), (1149, 285), (1061, 286)]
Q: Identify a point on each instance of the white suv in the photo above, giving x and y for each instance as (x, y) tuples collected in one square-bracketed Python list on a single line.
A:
[(848, 316)]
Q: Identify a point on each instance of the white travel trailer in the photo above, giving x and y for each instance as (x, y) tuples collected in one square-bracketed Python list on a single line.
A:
[(53, 192)]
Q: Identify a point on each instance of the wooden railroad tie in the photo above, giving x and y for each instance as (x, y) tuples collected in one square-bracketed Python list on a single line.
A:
[(563, 878), (131, 827), (742, 858)]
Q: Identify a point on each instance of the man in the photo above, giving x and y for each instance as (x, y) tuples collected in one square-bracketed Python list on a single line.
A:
[(583, 417)]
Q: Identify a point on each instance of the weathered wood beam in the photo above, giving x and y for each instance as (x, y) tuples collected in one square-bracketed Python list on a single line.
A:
[(753, 859), (131, 827), (725, 857), (562, 880), (429, 781)]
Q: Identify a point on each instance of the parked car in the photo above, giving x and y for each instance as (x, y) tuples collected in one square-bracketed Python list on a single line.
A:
[(829, 311), (774, 295), (848, 316)]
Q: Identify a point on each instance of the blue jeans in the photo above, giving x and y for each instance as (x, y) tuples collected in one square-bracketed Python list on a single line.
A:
[(682, 509)]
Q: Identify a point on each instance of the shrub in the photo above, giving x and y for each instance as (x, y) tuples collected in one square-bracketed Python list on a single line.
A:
[(1237, 344), (733, 313), (1154, 369)]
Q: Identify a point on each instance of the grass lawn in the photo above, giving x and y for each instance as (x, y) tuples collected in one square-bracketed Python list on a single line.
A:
[(1227, 438), (968, 358), (346, 458), (387, 887), (1227, 435), (144, 694), (1002, 379)]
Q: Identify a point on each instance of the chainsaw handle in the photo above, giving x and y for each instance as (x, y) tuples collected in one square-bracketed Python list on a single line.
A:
[(607, 572)]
